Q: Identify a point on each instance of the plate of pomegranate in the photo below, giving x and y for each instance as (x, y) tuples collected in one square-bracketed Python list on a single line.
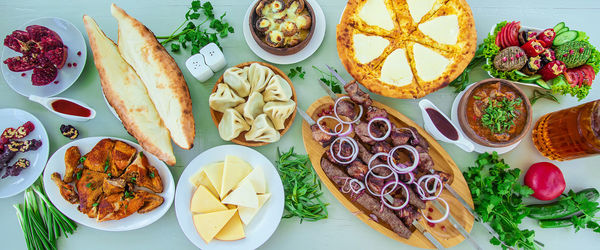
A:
[(24, 150), (43, 57)]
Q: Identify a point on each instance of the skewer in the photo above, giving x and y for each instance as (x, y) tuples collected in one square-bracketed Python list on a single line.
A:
[(456, 225), (328, 90), (427, 235), (336, 75), (305, 116)]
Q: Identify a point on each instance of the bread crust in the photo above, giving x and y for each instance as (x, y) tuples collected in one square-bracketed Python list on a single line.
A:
[(161, 75)]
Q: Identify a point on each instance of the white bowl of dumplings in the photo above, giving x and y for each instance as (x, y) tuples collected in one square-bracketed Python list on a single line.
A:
[(253, 103)]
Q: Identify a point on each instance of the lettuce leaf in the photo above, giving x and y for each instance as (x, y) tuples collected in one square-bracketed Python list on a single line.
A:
[(562, 87)]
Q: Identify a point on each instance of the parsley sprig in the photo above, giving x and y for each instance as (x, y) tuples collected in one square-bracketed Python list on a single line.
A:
[(539, 94), (297, 71), (197, 35), (330, 80), (499, 116), (498, 198)]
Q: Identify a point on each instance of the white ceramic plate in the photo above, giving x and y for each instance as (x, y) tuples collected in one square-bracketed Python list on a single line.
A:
[(311, 47), (478, 147), (13, 185), (265, 222), (134, 221), (72, 38)]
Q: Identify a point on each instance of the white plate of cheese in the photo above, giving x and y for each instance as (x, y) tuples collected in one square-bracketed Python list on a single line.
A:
[(232, 195)]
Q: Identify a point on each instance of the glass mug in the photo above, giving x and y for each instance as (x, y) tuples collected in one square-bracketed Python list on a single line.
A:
[(569, 133)]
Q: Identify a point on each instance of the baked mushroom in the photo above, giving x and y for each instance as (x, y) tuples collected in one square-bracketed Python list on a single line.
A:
[(260, 7), (289, 28), (274, 38), (296, 6), (303, 22), (294, 40), (277, 6), (263, 24)]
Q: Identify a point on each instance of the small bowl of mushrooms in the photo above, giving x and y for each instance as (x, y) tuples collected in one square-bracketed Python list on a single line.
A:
[(282, 27)]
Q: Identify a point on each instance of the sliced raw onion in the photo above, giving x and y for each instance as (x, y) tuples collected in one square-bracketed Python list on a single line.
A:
[(389, 128), (347, 132), (337, 130), (338, 157), (353, 183), (375, 157), (444, 217), (386, 202), (356, 119), (380, 176), (430, 193), (412, 178), (370, 172), (401, 168)]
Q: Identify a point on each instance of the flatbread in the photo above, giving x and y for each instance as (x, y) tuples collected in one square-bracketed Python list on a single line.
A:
[(382, 24), (394, 76)]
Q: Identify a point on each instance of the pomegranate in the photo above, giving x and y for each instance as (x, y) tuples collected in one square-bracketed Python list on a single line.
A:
[(43, 52)]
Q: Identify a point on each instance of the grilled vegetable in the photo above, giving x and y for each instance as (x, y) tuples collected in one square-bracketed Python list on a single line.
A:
[(552, 70), (574, 53), (547, 37), (533, 47)]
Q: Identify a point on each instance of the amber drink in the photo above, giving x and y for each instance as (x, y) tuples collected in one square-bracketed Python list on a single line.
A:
[(569, 133)]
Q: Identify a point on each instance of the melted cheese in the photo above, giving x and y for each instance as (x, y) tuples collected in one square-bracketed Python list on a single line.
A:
[(443, 29), (281, 21), (396, 70), (418, 8), (367, 48), (429, 64), (375, 13)]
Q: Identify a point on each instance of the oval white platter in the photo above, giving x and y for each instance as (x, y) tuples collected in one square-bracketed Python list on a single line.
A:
[(72, 38), (14, 118), (265, 222), (134, 221)]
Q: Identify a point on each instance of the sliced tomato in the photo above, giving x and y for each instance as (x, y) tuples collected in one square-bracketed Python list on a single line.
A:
[(589, 72), (514, 33), (571, 77), (498, 40)]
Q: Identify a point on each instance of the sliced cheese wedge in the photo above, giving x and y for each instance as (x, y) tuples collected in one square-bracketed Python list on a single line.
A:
[(233, 230), (442, 29), (396, 69), (418, 8), (234, 170), (244, 195), (367, 48), (203, 201), (248, 213), (200, 178), (376, 13), (209, 224), (214, 172), (257, 179), (429, 64)]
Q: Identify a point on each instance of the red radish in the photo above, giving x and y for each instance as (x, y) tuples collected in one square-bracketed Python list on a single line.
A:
[(546, 180)]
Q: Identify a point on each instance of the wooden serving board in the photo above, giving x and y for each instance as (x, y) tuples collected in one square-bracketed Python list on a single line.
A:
[(241, 139), (444, 232)]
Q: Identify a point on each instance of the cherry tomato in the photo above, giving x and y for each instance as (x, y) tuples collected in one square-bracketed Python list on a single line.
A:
[(546, 180)]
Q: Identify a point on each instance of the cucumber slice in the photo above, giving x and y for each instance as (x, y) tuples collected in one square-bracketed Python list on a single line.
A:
[(531, 79), (563, 30), (570, 35), (521, 74), (542, 83), (559, 26)]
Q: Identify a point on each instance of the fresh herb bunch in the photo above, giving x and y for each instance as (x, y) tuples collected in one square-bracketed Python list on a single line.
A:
[(539, 94), (40, 220), (585, 216), (302, 187), (330, 80), (499, 116), (498, 198), (196, 35), (297, 71)]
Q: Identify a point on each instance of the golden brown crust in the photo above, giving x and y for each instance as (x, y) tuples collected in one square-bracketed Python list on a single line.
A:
[(149, 58), (374, 83), (350, 17)]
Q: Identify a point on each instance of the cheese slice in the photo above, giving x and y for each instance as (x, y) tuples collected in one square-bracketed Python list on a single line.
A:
[(418, 8), (234, 170), (375, 13), (248, 213), (257, 179), (209, 224), (396, 69), (442, 29), (214, 172), (233, 230), (200, 178), (367, 48), (429, 64), (203, 201), (244, 195)]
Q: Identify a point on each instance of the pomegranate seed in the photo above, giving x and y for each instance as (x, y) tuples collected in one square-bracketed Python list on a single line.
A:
[(69, 65), (79, 53), (23, 74), (74, 64), (571, 52), (56, 82), (443, 228), (319, 114), (512, 58), (504, 59), (431, 224), (331, 107), (565, 55), (581, 50), (431, 210)]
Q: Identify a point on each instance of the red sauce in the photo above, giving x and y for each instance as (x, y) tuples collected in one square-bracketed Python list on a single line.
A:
[(70, 108), (442, 124)]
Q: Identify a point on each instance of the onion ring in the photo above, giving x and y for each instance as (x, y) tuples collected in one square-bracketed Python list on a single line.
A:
[(387, 134), (345, 159), (370, 172), (427, 190), (444, 217), (385, 201), (360, 112), (403, 170)]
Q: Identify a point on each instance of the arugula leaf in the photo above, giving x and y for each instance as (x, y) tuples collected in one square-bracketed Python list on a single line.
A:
[(330, 80)]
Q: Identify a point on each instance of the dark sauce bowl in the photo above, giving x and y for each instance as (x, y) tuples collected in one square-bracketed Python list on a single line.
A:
[(280, 51)]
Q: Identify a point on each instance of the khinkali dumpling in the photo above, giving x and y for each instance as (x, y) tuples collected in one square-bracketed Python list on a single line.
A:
[(253, 107), (278, 89), (224, 98), (262, 130), (237, 79), (232, 124), (259, 76), (278, 112)]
